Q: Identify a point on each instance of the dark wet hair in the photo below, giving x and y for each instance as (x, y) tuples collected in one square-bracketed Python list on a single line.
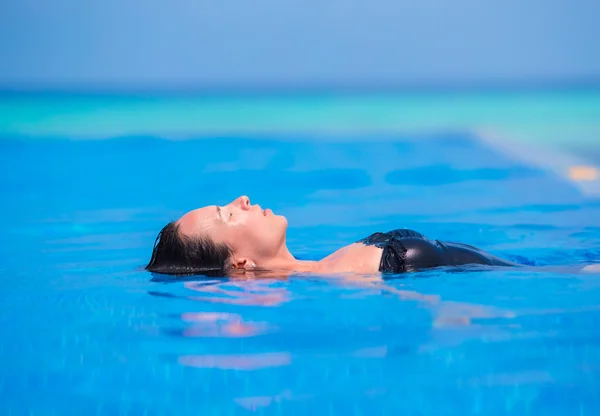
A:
[(177, 254)]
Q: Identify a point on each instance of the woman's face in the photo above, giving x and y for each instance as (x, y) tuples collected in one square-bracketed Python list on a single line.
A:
[(252, 233)]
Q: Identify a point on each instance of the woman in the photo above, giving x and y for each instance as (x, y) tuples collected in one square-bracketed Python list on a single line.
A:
[(241, 236)]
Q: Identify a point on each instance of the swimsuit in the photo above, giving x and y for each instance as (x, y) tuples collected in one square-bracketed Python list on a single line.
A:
[(407, 251)]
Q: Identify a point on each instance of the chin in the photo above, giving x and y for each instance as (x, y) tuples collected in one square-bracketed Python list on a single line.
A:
[(284, 220)]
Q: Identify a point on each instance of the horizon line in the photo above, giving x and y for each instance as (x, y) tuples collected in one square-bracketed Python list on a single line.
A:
[(300, 88)]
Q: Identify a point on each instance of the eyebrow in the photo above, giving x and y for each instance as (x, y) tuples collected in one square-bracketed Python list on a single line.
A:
[(219, 213)]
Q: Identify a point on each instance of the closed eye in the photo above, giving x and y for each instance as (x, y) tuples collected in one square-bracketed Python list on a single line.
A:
[(219, 213)]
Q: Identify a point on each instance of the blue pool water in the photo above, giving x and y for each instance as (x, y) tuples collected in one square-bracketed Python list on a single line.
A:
[(86, 331)]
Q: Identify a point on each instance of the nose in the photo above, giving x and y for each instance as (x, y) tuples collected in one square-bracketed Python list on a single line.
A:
[(242, 202)]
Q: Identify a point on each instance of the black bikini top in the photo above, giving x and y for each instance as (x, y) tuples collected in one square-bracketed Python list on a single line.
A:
[(407, 250)]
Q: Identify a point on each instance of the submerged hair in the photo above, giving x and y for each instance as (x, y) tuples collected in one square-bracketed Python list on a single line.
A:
[(177, 254)]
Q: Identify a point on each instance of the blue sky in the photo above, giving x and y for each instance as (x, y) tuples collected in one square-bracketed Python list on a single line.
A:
[(296, 42)]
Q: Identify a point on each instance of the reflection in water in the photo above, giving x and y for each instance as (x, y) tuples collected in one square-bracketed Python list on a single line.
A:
[(247, 362), (256, 402), (269, 292), (445, 313), (450, 314), (222, 325), (245, 292)]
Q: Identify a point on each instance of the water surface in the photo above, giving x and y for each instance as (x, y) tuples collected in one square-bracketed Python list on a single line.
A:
[(87, 331)]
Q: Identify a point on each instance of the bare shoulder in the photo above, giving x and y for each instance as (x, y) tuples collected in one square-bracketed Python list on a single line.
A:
[(355, 257)]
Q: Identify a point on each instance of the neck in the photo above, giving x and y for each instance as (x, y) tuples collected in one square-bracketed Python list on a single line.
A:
[(285, 261)]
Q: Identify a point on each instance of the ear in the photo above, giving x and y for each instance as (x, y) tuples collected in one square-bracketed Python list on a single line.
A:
[(243, 263)]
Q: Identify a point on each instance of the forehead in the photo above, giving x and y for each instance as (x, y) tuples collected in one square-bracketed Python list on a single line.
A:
[(198, 220)]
